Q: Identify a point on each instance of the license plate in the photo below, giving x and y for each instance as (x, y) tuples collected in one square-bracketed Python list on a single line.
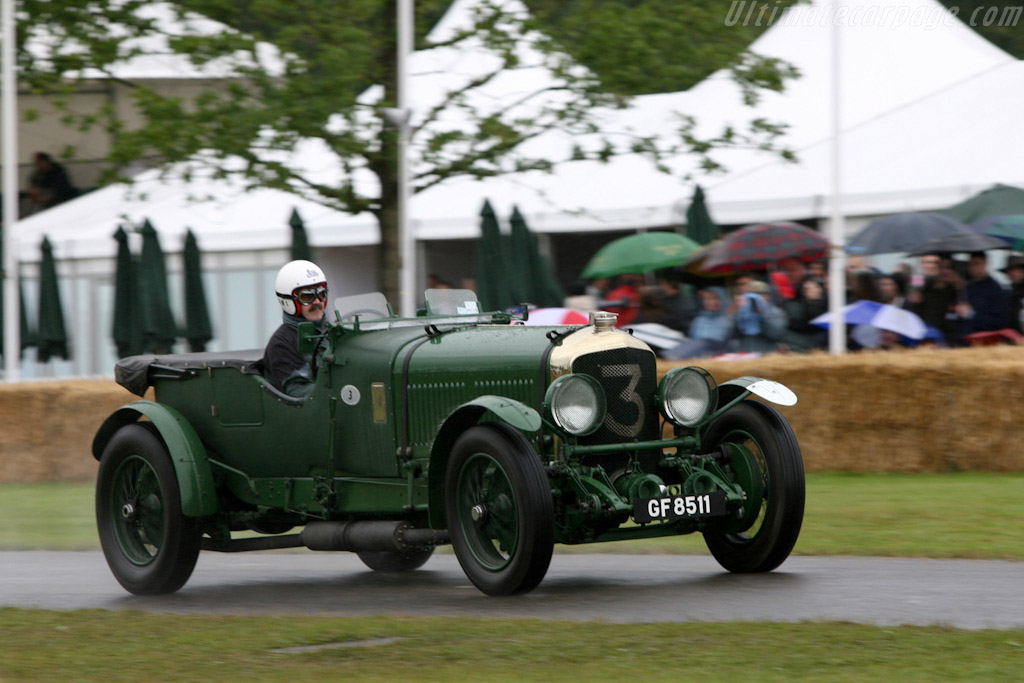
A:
[(666, 508)]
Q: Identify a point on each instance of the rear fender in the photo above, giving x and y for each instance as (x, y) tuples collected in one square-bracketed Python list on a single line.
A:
[(513, 413), (195, 478)]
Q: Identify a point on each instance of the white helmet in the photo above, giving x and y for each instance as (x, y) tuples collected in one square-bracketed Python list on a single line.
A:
[(293, 276)]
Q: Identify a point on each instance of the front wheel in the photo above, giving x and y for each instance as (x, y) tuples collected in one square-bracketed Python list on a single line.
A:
[(767, 460), (150, 546), (500, 510)]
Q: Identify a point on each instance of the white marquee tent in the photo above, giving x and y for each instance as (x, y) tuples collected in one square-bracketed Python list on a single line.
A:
[(923, 106), (926, 110)]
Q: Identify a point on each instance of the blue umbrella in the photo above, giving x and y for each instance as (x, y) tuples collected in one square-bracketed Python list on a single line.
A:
[(882, 316), (903, 232)]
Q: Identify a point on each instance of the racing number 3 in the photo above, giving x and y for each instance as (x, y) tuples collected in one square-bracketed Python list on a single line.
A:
[(629, 395)]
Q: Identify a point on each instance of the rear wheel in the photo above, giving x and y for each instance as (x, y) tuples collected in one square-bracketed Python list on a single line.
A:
[(500, 510), (150, 546), (766, 455), (393, 562)]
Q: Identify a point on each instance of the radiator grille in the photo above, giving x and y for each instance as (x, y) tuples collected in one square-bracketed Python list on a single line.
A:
[(630, 380)]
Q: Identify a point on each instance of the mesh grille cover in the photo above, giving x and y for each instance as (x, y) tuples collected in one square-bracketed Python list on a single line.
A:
[(630, 379)]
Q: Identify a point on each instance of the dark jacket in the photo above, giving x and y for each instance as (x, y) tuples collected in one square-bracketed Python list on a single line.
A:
[(989, 301), (283, 365)]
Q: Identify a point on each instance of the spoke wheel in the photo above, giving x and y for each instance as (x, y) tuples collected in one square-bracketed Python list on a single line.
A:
[(500, 511), (150, 546), (767, 462)]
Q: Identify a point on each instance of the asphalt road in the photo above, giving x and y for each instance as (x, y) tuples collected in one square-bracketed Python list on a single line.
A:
[(612, 588)]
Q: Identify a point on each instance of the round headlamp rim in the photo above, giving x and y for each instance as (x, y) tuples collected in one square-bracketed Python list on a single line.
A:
[(555, 387), (669, 378)]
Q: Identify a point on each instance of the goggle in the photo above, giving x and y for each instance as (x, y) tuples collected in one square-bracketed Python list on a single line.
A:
[(308, 296)]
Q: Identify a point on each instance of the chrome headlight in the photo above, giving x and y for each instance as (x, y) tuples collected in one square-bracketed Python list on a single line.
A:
[(687, 396), (575, 403)]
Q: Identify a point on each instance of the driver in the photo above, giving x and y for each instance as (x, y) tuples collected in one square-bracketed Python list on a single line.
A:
[(301, 289)]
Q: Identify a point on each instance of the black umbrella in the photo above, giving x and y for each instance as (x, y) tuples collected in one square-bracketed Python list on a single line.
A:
[(198, 330), (300, 242), (158, 327), (537, 282), (53, 339), (127, 327), (903, 232), (958, 244), (493, 287), (699, 226)]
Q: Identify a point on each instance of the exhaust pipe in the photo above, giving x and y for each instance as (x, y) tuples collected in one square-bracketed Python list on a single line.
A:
[(357, 536)]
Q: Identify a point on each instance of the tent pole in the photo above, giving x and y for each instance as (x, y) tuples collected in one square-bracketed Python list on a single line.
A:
[(9, 137), (406, 240), (837, 224)]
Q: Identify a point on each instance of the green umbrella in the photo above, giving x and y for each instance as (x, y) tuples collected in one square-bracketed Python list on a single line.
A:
[(699, 226), (158, 327), (198, 330), (53, 339), (27, 337), (493, 288), (531, 271), (300, 243), (640, 253), (127, 328), (1007, 228), (996, 201)]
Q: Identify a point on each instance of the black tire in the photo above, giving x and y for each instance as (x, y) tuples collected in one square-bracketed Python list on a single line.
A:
[(773, 523), (500, 510), (150, 546), (392, 562)]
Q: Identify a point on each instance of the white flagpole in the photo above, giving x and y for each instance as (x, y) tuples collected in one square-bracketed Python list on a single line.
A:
[(837, 224), (9, 140), (406, 240)]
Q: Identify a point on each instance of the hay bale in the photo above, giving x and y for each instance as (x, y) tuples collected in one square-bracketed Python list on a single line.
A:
[(891, 411), (49, 426), (899, 411)]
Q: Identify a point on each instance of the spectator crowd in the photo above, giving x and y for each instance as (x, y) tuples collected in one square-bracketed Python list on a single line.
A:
[(773, 310)]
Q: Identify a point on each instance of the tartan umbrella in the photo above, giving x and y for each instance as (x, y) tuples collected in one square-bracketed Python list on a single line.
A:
[(640, 253), (699, 226), (759, 246), (300, 242), (127, 328), (532, 272), (52, 336), (198, 330), (493, 287), (158, 327)]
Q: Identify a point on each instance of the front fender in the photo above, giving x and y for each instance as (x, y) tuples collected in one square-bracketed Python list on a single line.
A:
[(767, 389), (514, 413), (195, 478)]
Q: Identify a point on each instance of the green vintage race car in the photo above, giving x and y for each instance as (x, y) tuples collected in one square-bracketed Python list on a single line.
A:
[(457, 426)]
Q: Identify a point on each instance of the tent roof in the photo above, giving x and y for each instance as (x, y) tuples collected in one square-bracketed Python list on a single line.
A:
[(912, 114), (929, 154), (156, 60)]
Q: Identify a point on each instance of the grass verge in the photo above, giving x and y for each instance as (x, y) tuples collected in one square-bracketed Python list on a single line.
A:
[(966, 515), (67, 646)]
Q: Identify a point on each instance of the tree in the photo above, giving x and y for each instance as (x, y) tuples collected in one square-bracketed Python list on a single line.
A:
[(317, 87)]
